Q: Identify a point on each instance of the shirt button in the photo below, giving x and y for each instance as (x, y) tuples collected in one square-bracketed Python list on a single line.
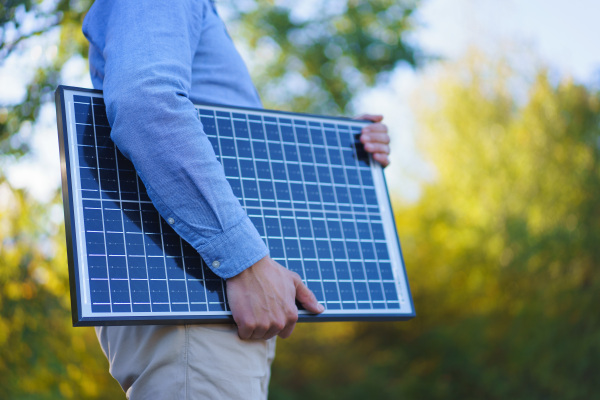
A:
[(216, 264), (171, 221)]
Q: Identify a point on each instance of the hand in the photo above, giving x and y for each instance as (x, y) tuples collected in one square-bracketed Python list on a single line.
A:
[(262, 300), (376, 139)]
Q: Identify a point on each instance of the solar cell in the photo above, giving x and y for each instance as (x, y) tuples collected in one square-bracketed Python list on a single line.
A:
[(311, 190)]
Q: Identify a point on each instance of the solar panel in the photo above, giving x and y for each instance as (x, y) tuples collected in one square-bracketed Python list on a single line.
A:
[(316, 198)]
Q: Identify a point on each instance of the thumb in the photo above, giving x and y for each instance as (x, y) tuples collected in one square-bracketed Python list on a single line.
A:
[(307, 298)]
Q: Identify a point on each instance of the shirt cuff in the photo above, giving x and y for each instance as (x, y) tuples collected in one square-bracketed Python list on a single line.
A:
[(234, 250)]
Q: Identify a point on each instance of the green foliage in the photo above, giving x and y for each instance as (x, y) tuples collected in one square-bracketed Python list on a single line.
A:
[(316, 58), (501, 251), (41, 355), (514, 238)]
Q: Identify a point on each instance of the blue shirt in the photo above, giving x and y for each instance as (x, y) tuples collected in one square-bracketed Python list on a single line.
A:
[(153, 59)]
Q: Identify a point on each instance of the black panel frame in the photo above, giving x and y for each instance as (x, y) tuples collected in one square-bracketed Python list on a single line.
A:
[(73, 251)]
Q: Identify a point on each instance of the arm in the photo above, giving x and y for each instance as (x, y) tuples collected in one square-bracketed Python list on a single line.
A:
[(147, 48)]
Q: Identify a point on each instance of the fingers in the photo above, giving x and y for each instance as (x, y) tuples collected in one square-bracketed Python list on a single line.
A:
[(306, 297), (376, 141), (268, 326), (308, 300), (382, 159), (376, 147), (375, 138), (245, 330), (287, 331), (375, 133)]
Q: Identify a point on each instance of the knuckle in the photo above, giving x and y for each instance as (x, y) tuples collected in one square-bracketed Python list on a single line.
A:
[(295, 275), (244, 335), (249, 325), (278, 326), (291, 316), (263, 323), (285, 335)]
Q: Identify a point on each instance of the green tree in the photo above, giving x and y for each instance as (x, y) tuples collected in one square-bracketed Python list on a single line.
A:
[(21, 23), (318, 57), (41, 355), (518, 230), (501, 251)]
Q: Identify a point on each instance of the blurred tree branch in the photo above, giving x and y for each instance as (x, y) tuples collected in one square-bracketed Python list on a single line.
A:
[(317, 58), (16, 14)]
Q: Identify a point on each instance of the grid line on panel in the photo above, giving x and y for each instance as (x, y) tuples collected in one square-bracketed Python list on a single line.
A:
[(243, 177), (297, 204), (310, 221), (164, 258), (379, 281), (294, 218), (334, 267), (237, 158), (285, 171), (185, 274), (276, 208), (202, 266), (289, 214), (345, 188), (101, 207), (204, 285), (337, 213), (123, 228), (142, 229), (351, 211), (357, 281), (218, 131), (360, 249), (247, 201), (361, 261)]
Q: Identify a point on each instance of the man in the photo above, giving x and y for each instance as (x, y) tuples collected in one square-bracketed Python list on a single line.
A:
[(153, 60)]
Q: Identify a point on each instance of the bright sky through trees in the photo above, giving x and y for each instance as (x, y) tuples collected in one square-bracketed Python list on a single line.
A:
[(551, 33)]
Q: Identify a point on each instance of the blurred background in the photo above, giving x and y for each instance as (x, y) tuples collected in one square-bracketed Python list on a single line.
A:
[(494, 111)]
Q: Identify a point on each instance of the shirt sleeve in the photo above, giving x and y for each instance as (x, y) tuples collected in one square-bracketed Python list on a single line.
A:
[(148, 51)]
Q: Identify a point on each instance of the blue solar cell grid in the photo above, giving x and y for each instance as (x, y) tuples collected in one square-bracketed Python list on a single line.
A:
[(306, 183)]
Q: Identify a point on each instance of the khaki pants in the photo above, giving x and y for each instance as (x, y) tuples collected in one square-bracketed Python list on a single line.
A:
[(186, 362)]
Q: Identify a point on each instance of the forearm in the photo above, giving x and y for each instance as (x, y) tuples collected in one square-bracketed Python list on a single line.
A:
[(146, 87)]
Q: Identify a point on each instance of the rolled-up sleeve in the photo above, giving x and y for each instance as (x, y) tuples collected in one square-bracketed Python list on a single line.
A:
[(147, 49)]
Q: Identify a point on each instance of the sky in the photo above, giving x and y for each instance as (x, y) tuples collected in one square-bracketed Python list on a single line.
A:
[(536, 32), (560, 36)]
